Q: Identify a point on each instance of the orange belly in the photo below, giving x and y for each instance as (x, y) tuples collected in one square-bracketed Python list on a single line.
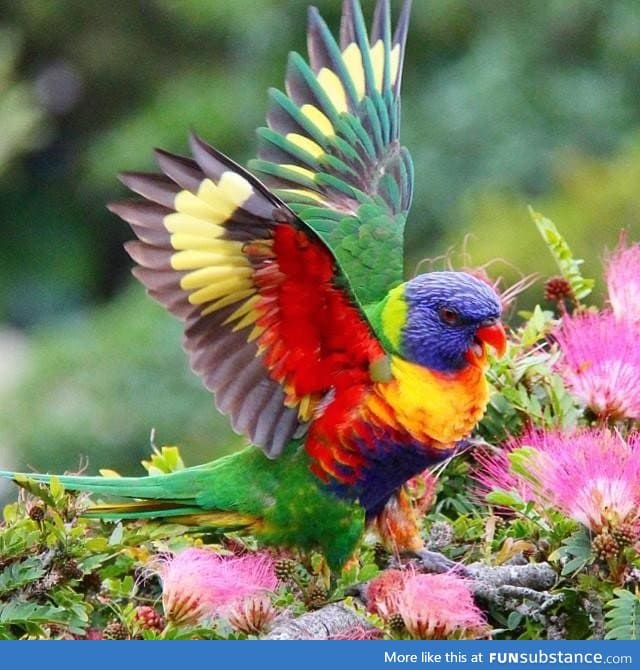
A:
[(432, 406)]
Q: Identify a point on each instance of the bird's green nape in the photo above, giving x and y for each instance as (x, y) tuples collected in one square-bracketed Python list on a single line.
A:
[(388, 318), (278, 501)]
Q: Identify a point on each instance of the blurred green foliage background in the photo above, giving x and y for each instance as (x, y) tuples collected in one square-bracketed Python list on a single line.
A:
[(506, 103)]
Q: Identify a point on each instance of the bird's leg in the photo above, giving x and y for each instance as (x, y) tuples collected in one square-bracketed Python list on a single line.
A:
[(399, 530), (469, 443), (434, 561), (398, 526)]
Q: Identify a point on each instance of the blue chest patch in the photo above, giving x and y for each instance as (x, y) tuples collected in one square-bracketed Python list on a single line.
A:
[(388, 466)]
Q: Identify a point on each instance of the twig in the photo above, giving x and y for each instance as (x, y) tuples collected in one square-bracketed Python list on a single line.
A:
[(329, 622), (524, 588), (536, 576)]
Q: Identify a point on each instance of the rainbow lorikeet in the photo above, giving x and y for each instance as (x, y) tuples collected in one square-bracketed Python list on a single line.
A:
[(347, 378)]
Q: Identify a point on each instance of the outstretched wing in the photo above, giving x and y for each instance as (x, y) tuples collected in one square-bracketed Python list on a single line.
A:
[(331, 150), (266, 325)]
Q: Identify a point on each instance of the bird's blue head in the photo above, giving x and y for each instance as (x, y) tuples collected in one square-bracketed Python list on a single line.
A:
[(443, 320)]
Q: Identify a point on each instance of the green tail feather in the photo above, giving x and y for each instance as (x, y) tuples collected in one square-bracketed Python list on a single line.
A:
[(158, 487), (171, 496), (184, 491), (279, 501)]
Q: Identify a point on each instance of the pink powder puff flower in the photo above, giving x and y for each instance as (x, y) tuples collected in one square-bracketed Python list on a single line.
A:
[(383, 590), (592, 475), (600, 363), (253, 614), (436, 607), (198, 584), (622, 272)]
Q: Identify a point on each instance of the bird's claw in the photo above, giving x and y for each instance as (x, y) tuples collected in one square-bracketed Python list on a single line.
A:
[(434, 561)]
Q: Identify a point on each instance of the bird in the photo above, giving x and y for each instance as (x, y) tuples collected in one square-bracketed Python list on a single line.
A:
[(346, 378)]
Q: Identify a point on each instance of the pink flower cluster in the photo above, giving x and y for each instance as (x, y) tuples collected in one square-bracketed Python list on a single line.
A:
[(622, 273), (199, 585), (600, 363), (432, 607), (600, 356), (591, 475)]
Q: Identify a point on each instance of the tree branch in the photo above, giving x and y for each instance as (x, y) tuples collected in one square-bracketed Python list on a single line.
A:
[(330, 622)]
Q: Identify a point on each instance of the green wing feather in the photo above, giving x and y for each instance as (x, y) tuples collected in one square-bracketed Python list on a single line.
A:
[(331, 150)]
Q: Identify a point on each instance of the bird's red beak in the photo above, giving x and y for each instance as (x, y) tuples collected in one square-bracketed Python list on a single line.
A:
[(495, 336)]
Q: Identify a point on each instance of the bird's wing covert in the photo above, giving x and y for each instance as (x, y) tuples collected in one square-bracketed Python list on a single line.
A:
[(270, 324), (331, 150)]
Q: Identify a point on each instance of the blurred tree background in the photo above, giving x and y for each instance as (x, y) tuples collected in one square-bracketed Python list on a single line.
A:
[(506, 103)]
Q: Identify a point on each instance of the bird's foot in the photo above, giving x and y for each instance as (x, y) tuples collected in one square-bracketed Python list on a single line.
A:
[(434, 561)]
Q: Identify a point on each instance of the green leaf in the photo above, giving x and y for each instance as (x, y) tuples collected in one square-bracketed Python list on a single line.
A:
[(165, 530), (10, 513), (166, 460), (93, 561), (97, 544), (368, 571), (575, 551), (17, 612), (568, 265), (348, 576), (18, 574), (56, 488), (573, 565), (538, 323), (15, 540), (124, 587), (622, 620), (504, 498), (116, 536), (36, 489), (513, 620)]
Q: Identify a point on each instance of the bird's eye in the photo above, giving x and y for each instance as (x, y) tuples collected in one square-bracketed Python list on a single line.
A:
[(449, 316)]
